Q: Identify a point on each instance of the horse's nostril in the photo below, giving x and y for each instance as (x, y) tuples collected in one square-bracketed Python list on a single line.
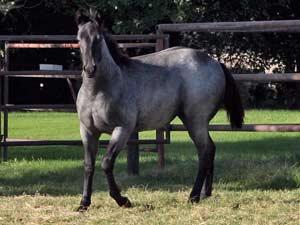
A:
[(89, 70)]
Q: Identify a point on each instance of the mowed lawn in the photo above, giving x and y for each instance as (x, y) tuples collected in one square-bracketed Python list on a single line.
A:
[(257, 177)]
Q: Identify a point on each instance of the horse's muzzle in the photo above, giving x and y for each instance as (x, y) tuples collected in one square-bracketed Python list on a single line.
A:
[(90, 70)]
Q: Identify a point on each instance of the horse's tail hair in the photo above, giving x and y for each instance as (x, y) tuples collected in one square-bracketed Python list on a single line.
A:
[(232, 101)]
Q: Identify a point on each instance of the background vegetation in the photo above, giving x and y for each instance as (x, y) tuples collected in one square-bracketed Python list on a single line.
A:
[(275, 52), (256, 174)]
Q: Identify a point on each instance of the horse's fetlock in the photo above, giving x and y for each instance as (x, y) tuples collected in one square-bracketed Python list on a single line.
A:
[(194, 199), (115, 194), (85, 201)]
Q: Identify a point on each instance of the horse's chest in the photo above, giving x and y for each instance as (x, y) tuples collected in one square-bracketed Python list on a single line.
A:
[(99, 115)]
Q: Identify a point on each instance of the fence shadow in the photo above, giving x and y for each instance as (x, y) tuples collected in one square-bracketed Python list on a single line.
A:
[(246, 165)]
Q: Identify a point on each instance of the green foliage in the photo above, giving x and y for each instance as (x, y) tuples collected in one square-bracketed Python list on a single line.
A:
[(276, 52), (257, 52), (128, 16), (6, 5)]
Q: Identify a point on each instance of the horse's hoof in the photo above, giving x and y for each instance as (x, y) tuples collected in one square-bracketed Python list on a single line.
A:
[(124, 202), (204, 196), (127, 204), (82, 208), (194, 199)]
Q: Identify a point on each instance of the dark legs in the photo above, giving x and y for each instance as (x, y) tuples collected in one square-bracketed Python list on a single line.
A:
[(197, 131), (90, 143), (206, 152), (210, 170), (118, 140)]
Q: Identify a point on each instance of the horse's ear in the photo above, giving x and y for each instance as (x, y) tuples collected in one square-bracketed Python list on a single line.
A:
[(95, 15), (81, 17), (100, 20)]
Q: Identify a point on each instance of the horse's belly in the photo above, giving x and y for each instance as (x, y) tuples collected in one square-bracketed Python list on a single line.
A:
[(158, 107), (156, 118)]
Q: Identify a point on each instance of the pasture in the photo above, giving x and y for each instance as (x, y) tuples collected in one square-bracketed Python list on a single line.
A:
[(257, 177)]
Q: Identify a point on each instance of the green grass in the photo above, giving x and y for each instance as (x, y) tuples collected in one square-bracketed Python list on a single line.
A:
[(257, 177)]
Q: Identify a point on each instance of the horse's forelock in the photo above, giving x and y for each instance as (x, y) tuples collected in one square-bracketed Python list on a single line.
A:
[(97, 26), (81, 17), (96, 17)]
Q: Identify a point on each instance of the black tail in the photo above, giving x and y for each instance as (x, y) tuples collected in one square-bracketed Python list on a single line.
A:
[(232, 101)]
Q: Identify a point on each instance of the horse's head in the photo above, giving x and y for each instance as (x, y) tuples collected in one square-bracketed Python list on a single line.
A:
[(90, 36)]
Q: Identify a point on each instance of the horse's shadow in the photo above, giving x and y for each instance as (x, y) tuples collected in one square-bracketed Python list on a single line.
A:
[(245, 165)]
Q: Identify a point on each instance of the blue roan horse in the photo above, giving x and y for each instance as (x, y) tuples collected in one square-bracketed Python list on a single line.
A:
[(120, 95)]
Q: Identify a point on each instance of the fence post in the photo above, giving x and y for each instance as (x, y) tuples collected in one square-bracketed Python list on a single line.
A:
[(161, 44), (167, 41), (159, 41), (133, 155), (160, 149), (5, 102), (1, 134)]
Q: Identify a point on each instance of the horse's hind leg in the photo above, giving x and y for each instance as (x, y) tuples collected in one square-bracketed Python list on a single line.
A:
[(118, 140), (207, 190), (198, 131)]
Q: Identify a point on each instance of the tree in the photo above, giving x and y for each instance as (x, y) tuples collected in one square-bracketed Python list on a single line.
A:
[(260, 51), (7, 5)]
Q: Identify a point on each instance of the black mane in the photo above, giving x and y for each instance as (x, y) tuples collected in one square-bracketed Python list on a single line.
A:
[(119, 57)]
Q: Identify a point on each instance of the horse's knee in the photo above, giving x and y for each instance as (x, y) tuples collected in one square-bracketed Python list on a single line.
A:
[(89, 168), (106, 164)]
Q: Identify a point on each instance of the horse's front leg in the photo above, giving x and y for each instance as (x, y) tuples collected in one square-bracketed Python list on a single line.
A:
[(118, 140), (90, 144)]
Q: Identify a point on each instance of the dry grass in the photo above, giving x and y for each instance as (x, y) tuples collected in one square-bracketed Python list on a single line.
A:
[(257, 180), (157, 207)]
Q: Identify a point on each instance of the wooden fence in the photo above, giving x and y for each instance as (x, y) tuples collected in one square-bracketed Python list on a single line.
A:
[(287, 26), (156, 42), (292, 26)]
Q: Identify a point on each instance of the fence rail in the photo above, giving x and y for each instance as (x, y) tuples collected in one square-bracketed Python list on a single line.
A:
[(259, 77), (287, 26), (73, 45), (246, 128), (74, 74), (271, 77), (22, 142), (156, 41), (126, 37)]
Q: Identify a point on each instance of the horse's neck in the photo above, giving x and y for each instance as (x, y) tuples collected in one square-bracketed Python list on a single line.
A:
[(107, 66), (108, 76)]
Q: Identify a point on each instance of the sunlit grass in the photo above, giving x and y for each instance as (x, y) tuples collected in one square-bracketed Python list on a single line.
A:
[(257, 177), (65, 126)]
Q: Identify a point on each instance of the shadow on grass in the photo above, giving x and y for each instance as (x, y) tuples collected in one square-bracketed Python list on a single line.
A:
[(272, 163)]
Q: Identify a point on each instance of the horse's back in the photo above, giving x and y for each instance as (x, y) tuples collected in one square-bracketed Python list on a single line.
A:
[(188, 63), (178, 79), (201, 77)]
